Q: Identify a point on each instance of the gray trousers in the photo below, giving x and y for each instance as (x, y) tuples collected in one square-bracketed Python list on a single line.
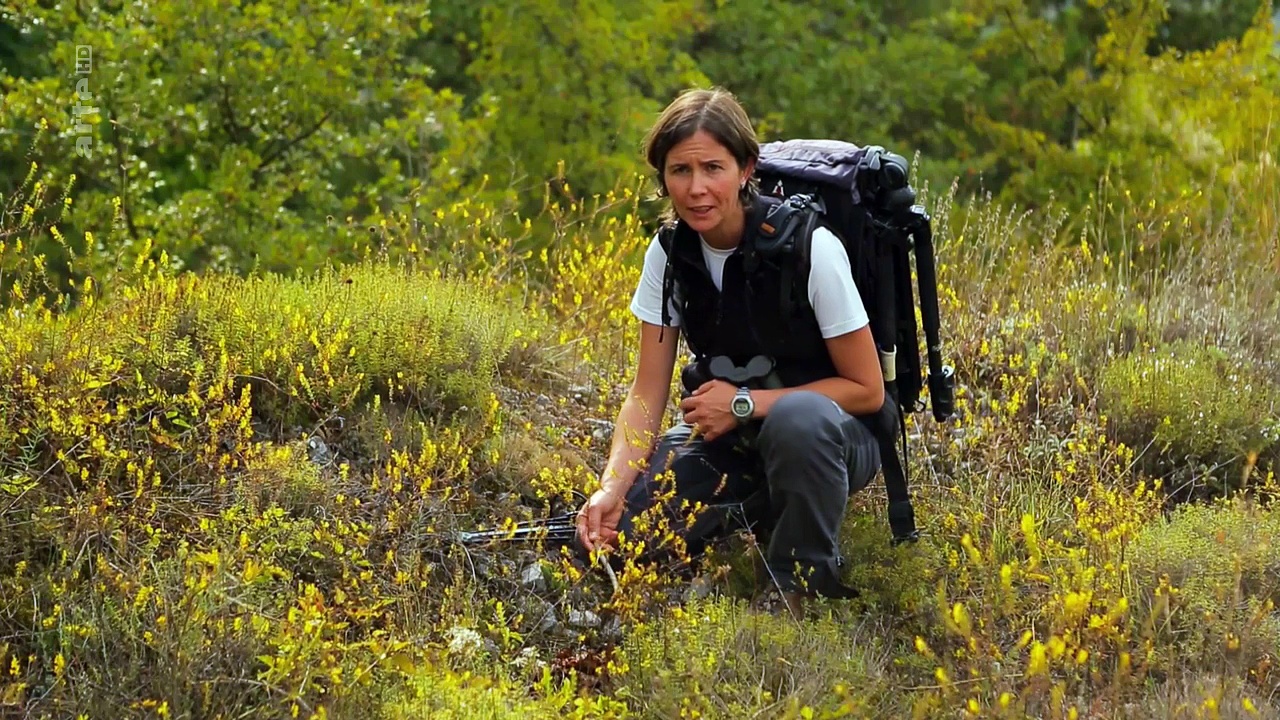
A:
[(787, 476)]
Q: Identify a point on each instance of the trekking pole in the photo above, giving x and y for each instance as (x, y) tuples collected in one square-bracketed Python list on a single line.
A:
[(561, 528)]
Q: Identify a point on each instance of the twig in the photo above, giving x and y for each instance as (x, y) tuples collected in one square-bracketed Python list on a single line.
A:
[(608, 569), (246, 376), (966, 681)]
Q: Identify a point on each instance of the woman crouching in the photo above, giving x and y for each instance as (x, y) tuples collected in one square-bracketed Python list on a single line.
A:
[(773, 395)]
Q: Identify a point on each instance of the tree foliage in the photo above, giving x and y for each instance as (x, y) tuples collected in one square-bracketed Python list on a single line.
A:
[(587, 102), (1173, 128), (857, 70), (273, 136), (231, 135)]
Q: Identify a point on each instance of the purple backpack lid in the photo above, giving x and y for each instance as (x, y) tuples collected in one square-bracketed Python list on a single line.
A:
[(827, 161)]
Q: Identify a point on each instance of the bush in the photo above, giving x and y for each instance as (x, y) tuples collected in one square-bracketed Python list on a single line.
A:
[(1195, 403), (713, 659), (1212, 574), (170, 544), (443, 693), (336, 341)]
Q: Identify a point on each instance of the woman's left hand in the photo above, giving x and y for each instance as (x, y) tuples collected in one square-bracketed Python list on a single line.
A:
[(708, 409)]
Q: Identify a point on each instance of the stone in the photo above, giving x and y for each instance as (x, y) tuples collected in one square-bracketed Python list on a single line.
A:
[(532, 578), (583, 619), (318, 451)]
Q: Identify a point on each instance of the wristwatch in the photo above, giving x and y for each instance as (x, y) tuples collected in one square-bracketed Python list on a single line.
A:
[(742, 406)]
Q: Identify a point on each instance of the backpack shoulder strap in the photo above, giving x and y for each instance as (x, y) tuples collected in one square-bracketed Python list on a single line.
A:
[(666, 239), (800, 248), (761, 232), (666, 236)]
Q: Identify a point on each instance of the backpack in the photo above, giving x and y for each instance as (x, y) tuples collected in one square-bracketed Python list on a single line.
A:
[(862, 195)]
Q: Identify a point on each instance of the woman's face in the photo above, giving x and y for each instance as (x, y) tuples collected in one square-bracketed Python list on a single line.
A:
[(703, 179)]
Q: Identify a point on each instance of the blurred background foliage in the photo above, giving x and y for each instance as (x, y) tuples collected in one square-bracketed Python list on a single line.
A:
[(277, 136)]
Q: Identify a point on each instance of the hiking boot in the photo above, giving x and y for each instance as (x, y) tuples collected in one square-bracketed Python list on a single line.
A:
[(788, 603), (795, 602)]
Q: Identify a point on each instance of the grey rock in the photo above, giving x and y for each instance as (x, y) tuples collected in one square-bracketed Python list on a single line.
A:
[(318, 451), (612, 630), (699, 588), (583, 619), (538, 616), (532, 578), (548, 622), (601, 429)]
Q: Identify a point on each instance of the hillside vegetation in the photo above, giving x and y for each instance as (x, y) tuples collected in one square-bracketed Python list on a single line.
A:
[(257, 374)]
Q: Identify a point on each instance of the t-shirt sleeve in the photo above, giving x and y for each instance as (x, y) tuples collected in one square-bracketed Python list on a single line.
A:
[(646, 303), (832, 294)]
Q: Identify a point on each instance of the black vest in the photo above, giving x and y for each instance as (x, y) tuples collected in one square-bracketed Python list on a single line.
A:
[(751, 314)]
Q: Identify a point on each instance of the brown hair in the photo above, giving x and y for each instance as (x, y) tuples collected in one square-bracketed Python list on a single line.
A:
[(717, 111)]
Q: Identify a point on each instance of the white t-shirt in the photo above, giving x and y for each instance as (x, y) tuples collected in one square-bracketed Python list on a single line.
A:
[(832, 294)]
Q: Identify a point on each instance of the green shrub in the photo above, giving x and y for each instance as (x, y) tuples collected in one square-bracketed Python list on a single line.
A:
[(713, 659), (335, 340), (1212, 574), (157, 556), (1205, 696), (1194, 402), (899, 580), (443, 693)]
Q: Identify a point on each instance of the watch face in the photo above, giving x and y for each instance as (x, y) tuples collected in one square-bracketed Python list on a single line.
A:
[(741, 406)]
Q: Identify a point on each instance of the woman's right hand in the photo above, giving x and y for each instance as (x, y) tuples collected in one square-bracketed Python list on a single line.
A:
[(637, 423), (598, 519)]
